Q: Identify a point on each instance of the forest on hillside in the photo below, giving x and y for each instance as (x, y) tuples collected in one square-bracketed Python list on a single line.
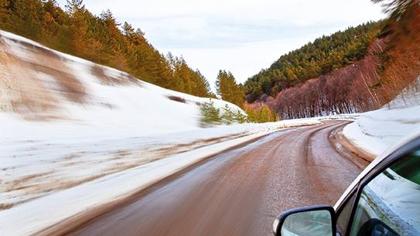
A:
[(100, 39), (316, 58), (389, 64)]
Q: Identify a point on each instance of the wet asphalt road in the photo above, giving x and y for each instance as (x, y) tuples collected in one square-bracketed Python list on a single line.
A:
[(238, 192)]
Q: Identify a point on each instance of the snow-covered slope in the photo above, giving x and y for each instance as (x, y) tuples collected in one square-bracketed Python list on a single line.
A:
[(52, 104), (40, 84), (378, 130), (66, 122), (75, 135)]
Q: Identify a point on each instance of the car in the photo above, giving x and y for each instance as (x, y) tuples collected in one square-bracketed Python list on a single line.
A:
[(383, 200)]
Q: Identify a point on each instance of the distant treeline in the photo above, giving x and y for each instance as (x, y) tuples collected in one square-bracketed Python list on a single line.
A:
[(100, 39), (316, 58), (346, 90)]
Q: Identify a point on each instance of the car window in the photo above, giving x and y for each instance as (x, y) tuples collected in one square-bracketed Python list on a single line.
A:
[(390, 203)]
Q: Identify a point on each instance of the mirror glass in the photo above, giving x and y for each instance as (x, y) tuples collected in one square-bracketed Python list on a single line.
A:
[(316, 223)]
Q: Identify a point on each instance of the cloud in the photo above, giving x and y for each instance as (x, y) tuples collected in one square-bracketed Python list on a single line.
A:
[(238, 35)]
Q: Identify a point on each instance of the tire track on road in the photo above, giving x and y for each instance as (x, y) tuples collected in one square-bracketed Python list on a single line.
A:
[(238, 192)]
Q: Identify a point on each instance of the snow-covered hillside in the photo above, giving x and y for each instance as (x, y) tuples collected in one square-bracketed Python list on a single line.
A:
[(378, 130), (58, 112), (69, 127), (42, 84)]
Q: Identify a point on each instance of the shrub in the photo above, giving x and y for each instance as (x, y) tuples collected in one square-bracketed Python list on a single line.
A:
[(240, 117), (260, 114), (229, 116), (210, 115)]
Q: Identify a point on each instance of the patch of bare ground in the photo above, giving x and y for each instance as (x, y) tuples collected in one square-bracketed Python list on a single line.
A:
[(125, 159), (99, 73), (5, 206), (52, 64), (60, 177), (40, 186), (22, 182), (180, 148), (35, 83), (21, 91), (177, 99)]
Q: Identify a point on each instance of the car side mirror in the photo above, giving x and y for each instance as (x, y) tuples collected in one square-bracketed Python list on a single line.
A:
[(315, 220)]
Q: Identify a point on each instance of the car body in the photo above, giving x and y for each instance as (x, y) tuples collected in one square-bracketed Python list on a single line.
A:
[(383, 200)]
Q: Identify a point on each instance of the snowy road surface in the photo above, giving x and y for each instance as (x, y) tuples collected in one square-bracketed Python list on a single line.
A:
[(238, 192)]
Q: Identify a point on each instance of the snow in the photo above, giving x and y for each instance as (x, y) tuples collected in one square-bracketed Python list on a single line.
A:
[(115, 127), (73, 149), (32, 215), (395, 200), (112, 140), (378, 130)]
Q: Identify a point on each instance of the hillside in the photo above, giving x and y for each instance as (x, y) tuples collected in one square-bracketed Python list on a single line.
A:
[(316, 58), (49, 99), (71, 121), (387, 63), (40, 84), (100, 39)]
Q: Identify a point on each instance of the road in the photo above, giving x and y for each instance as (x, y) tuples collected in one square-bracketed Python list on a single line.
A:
[(238, 192)]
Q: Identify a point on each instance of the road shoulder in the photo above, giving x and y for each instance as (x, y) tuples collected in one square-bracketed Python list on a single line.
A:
[(346, 148)]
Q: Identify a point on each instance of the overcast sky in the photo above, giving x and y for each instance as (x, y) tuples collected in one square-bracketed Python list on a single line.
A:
[(242, 36)]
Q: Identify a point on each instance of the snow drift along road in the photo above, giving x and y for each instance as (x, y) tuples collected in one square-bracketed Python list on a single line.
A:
[(378, 130)]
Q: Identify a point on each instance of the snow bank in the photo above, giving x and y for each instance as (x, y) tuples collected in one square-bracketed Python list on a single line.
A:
[(36, 215), (378, 130)]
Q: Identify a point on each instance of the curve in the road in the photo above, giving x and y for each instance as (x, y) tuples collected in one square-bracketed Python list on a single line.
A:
[(238, 192)]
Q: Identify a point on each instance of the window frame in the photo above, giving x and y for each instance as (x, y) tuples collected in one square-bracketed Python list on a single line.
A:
[(391, 159), (349, 199)]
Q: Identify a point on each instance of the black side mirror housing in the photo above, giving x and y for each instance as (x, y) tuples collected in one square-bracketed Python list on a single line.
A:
[(314, 220)]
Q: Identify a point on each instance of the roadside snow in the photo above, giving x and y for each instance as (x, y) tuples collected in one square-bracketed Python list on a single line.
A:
[(36, 215), (31, 167), (378, 130)]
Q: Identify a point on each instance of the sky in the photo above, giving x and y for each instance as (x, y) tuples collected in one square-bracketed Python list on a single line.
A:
[(242, 36)]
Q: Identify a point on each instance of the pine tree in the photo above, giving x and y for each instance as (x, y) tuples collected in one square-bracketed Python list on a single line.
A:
[(74, 6), (210, 115), (128, 29), (228, 89)]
